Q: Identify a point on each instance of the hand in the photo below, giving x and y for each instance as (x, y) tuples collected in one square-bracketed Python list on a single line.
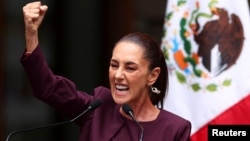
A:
[(34, 13)]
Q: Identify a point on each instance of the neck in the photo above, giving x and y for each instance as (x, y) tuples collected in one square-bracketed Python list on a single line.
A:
[(143, 113)]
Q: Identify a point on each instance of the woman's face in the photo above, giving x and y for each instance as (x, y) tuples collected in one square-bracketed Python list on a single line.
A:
[(128, 73)]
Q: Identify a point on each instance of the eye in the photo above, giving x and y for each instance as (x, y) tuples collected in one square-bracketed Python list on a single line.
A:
[(113, 65), (130, 68)]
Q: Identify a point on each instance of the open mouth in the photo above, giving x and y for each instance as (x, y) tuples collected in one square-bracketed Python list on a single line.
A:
[(121, 88)]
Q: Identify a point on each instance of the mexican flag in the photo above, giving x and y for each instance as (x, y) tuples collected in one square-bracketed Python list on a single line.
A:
[(207, 49)]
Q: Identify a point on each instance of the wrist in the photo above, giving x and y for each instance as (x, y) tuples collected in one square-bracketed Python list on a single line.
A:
[(31, 42)]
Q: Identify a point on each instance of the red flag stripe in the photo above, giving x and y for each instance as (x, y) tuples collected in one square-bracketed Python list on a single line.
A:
[(237, 114)]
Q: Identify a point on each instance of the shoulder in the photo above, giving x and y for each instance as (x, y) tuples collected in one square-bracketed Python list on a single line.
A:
[(104, 94), (173, 119), (102, 89), (180, 127)]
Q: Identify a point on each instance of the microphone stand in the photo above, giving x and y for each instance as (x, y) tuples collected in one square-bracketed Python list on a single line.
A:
[(126, 108), (36, 128), (92, 106)]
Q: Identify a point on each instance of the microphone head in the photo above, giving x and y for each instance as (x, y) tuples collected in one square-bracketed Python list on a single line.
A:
[(96, 103), (126, 108)]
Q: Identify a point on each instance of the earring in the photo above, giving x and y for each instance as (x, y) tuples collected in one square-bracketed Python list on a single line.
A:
[(155, 90)]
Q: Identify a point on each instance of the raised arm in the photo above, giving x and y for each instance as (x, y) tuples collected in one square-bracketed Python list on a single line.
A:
[(34, 13)]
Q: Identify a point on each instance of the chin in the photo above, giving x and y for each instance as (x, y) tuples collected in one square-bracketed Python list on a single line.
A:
[(120, 101)]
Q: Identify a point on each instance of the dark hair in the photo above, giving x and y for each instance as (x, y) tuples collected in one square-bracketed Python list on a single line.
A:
[(154, 54)]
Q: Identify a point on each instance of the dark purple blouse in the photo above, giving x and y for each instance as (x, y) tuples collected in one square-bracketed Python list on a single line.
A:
[(105, 123)]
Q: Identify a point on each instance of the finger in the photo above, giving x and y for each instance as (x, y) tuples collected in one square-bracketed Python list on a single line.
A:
[(34, 11), (31, 13), (44, 8), (33, 4), (30, 10), (32, 7)]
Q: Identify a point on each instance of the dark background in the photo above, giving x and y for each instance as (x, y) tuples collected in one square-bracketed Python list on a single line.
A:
[(77, 37)]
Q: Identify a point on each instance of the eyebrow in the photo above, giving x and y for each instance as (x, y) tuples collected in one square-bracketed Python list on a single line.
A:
[(127, 63)]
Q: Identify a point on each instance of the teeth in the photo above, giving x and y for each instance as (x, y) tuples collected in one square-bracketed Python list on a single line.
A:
[(121, 87)]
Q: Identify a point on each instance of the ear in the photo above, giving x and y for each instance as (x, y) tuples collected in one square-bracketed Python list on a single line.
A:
[(154, 74)]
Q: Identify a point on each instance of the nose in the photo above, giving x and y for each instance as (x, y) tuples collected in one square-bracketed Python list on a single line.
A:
[(119, 74)]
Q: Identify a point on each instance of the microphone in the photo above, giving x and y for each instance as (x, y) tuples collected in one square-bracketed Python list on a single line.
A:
[(126, 108), (92, 106)]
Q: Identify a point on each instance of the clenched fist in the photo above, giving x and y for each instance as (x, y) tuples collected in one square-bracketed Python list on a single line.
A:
[(34, 13)]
